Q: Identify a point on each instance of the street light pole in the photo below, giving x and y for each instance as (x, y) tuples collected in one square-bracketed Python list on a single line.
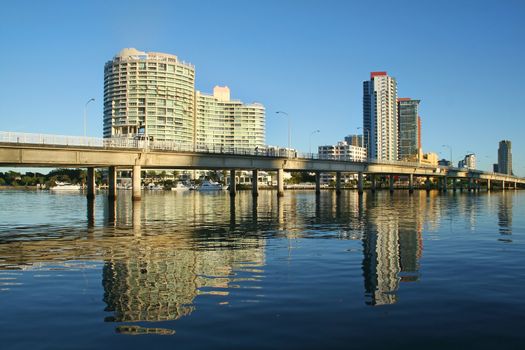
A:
[(450, 149), (310, 140), (85, 112), (289, 129)]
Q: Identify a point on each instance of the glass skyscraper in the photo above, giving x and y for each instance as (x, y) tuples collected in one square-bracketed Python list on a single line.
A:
[(408, 129), (505, 157)]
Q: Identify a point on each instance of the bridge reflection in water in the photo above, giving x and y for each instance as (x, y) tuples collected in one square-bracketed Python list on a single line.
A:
[(161, 253)]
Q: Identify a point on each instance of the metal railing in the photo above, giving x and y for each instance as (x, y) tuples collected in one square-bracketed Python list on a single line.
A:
[(43, 139)]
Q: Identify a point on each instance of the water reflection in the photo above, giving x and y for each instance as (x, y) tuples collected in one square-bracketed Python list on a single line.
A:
[(160, 254), (505, 213)]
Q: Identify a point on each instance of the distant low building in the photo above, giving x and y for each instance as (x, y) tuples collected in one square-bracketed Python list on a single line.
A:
[(469, 162), (444, 162), (429, 159), (343, 151), (355, 140)]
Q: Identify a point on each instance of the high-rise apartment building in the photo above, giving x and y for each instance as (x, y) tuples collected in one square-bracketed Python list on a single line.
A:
[(380, 121), (150, 93), (505, 157), (222, 122), (409, 133), (153, 95)]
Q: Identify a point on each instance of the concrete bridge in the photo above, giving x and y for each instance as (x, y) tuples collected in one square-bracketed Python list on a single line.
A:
[(31, 150)]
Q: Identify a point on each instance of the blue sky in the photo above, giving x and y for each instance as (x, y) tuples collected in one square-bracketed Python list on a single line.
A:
[(463, 59)]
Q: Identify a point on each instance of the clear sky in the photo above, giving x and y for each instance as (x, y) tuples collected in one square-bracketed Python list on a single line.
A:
[(463, 59)]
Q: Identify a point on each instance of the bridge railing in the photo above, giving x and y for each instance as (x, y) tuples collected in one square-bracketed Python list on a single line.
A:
[(145, 144), (45, 139)]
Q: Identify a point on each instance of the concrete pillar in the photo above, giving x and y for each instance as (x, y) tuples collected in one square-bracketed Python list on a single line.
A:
[(373, 182), (488, 185), (338, 182), (470, 184), (90, 183), (360, 182), (136, 183), (515, 185), (317, 182), (454, 184), (255, 183), (111, 215), (427, 183), (136, 217), (91, 211), (411, 183), (503, 184), (280, 182), (233, 183), (391, 180), (112, 182), (445, 184)]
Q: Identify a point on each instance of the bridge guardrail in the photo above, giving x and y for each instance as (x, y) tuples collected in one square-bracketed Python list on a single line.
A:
[(130, 143)]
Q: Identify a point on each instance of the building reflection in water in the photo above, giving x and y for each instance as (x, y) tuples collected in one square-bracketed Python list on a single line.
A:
[(392, 247), (161, 253), (505, 213)]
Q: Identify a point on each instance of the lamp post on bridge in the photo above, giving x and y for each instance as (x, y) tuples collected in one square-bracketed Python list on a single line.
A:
[(85, 113), (289, 129), (310, 140)]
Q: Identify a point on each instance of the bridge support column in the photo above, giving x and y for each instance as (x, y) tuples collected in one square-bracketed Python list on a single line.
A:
[(503, 184), (360, 182), (411, 183), (280, 182), (255, 183), (112, 182), (338, 182), (233, 184), (427, 183), (373, 182), (515, 185), (445, 184), (470, 185), (488, 185), (317, 182), (136, 183), (90, 183), (392, 181), (454, 184)]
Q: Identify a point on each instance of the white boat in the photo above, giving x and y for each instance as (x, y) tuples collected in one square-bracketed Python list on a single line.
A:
[(181, 187), (153, 187), (65, 186), (209, 185)]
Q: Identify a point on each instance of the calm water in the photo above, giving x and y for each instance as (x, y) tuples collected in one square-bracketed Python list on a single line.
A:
[(200, 271)]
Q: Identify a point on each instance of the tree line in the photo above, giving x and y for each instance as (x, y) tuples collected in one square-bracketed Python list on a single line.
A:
[(73, 176)]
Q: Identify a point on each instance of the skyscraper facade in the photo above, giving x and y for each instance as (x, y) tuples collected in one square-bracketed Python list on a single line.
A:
[(380, 120), (408, 129), (505, 157), (153, 95)]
